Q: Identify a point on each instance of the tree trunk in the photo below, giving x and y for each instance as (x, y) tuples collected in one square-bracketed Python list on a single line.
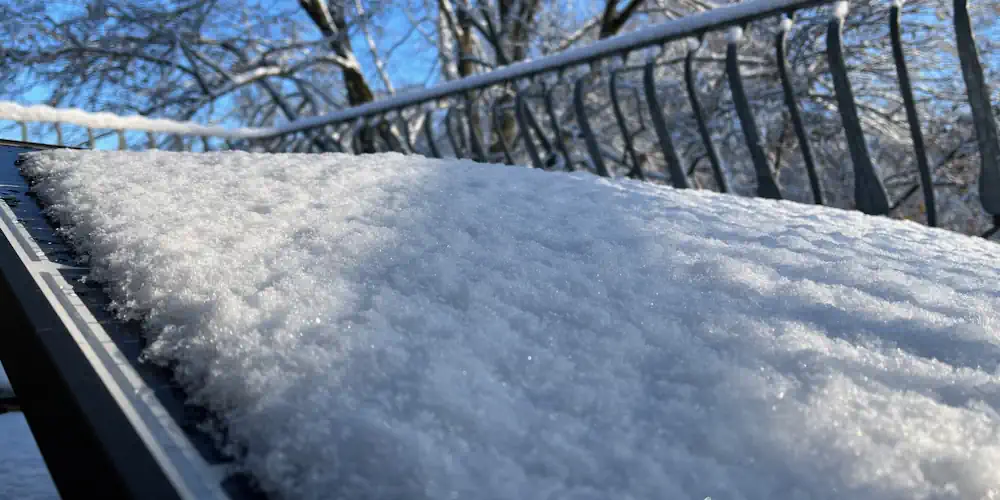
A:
[(329, 17)]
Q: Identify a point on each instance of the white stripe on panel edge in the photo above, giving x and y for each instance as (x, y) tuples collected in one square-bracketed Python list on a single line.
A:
[(184, 466)]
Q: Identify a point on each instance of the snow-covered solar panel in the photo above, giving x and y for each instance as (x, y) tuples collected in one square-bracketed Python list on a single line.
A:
[(384, 326), (107, 424)]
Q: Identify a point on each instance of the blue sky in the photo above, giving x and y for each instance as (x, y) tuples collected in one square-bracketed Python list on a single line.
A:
[(409, 65)]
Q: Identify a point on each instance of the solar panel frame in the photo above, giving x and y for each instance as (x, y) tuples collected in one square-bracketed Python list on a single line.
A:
[(107, 424)]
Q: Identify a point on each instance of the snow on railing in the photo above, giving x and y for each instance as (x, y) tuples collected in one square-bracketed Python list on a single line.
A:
[(677, 29), (40, 113), (693, 25), (403, 121)]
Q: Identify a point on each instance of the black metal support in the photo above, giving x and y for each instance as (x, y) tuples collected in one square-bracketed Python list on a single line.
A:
[(982, 110), (429, 134), (636, 171), (677, 177), (767, 187), (911, 116), (532, 122), (471, 118), (588, 133), (560, 141), (501, 139), (452, 135), (522, 115), (334, 141), (404, 128), (699, 116), (795, 115), (358, 139), (383, 128), (556, 141), (869, 193)]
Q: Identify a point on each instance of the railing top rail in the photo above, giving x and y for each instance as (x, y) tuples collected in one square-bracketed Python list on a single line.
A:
[(690, 26), (41, 113)]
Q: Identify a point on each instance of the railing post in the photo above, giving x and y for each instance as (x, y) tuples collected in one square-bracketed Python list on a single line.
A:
[(429, 134), (982, 111), (588, 133), (453, 138), (501, 139), (636, 170), (383, 128), (911, 115), (521, 115), (554, 120), (677, 177), (699, 117), (767, 187), (793, 111), (363, 137), (404, 128), (471, 118), (333, 139), (869, 193)]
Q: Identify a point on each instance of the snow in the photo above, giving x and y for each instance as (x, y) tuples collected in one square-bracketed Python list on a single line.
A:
[(22, 471), (386, 326), (674, 29), (48, 114), (659, 34), (734, 35), (786, 25), (840, 10)]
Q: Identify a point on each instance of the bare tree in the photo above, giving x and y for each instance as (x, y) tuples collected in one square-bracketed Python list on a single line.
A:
[(260, 63)]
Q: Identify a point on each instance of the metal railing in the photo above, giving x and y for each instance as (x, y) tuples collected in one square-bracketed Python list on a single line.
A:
[(543, 113)]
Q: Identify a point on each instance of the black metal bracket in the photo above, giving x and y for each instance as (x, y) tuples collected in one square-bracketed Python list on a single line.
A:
[(101, 429)]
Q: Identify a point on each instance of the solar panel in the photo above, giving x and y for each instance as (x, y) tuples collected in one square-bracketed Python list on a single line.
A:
[(108, 426)]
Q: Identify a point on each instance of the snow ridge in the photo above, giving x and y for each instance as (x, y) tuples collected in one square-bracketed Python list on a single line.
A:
[(387, 326)]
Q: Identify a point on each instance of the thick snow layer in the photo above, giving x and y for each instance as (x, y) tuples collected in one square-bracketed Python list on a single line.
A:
[(397, 327)]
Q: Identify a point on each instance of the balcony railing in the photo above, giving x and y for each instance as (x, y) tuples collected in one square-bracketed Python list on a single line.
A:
[(610, 109)]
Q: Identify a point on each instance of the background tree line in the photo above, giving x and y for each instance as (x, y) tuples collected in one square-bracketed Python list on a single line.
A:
[(261, 63)]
